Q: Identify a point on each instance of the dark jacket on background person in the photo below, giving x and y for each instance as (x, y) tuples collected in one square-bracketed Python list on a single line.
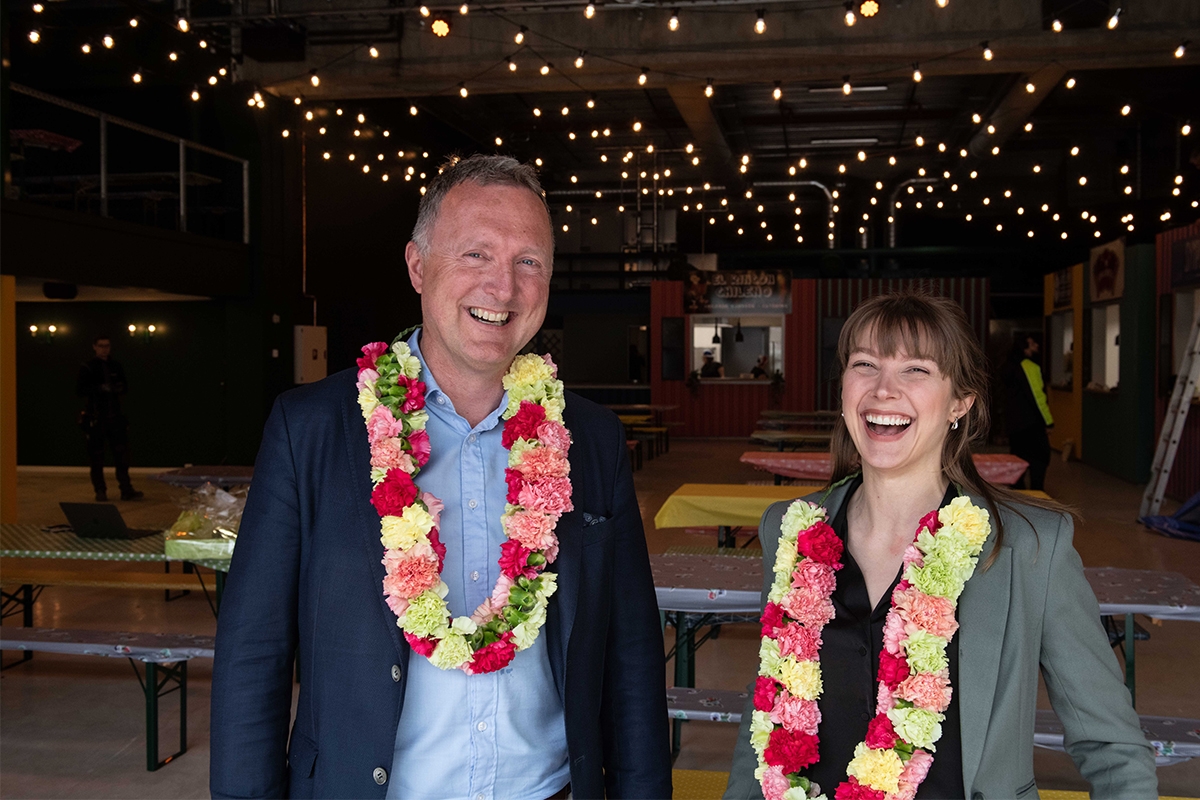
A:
[(101, 383), (1025, 404)]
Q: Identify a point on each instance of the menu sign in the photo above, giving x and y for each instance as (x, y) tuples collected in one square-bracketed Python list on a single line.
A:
[(743, 291)]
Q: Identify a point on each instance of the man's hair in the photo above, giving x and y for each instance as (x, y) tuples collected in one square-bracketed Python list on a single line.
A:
[(102, 338), (484, 170)]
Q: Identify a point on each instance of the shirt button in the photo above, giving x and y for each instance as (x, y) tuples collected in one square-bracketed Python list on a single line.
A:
[(396, 673), (481, 727), (441, 400), (472, 503), (862, 651), (380, 775), (479, 796), (475, 575), (472, 438)]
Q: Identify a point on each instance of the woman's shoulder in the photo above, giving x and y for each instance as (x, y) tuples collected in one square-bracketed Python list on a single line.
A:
[(1030, 526)]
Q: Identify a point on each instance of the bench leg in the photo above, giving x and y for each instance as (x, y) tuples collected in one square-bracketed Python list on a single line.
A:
[(685, 668), (1130, 674), (175, 677), (20, 601), (167, 592)]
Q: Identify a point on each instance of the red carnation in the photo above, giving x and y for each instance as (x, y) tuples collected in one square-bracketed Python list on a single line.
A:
[(494, 656), (851, 789), (394, 493), (439, 549), (765, 691), (513, 558), (821, 544), (892, 669), (424, 647), (523, 424), (880, 733), (515, 481), (929, 521), (791, 751), (414, 396), (371, 352), (772, 618)]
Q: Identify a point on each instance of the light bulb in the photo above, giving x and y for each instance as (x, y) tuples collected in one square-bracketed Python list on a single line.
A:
[(512, 65), (849, 17), (424, 11), (846, 87), (464, 9), (760, 22), (133, 22), (35, 36), (373, 52), (1070, 83), (183, 25), (86, 48), (412, 110), (637, 126), (1185, 129), (462, 90), (520, 36), (1181, 50), (589, 10), (38, 8), (1029, 87), (987, 52), (545, 69), (566, 110), (316, 81), (642, 77), (920, 141), (708, 90), (778, 93), (579, 61), (108, 42), (1115, 19), (1125, 109), (917, 74), (1056, 26), (673, 22), (137, 77), (591, 102)]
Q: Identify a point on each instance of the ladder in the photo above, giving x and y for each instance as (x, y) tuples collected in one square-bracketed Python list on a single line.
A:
[(1173, 422)]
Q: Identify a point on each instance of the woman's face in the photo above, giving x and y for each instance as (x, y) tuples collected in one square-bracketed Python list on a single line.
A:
[(898, 409)]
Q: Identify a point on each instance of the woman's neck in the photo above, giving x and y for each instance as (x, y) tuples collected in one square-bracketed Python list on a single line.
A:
[(890, 505)]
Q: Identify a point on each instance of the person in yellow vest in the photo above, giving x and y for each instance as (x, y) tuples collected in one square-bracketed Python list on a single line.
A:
[(1027, 412)]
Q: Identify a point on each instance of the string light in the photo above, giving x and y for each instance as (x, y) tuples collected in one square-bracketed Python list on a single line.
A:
[(1115, 19), (38, 8), (1185, 129), (708, 89), (1075, 151), (512, 65), (579, 60), (642, 77), (1029, 87), (760, 23), (1056, 26), (591, 102), (520, 36), (462, 90), (423, 11), (464, 9), (285, 133), (1037, 168), (849, 18), (846, 87), (566, 110), (987, 51), (673, 22), (976, 118), (137, 76), (892, 161), (133, 22), (1125, 109), (637, 126), (203, 44), (920, 142), (917, 73), (1182, 49), (314, 79), (86, 48), (589, 10), (212, 80), (35, 36), (412, 110), (183, 24), (1028, 127), (108, 42), (195, 95), (778, 93), (1070, 83)]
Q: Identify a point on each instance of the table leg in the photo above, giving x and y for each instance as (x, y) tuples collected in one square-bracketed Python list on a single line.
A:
[(778, 480), (725, 536), (1130, 673), (685, 669)]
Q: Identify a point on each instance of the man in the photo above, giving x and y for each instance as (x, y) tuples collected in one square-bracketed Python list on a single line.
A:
[(582, 710), (710, 368), (1027, 412), (101, 383)]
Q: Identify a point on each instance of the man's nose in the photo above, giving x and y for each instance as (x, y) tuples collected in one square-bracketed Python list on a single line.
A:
[(502, 281)]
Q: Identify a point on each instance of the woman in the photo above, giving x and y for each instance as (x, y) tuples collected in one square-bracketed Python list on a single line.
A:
[(901, 667)]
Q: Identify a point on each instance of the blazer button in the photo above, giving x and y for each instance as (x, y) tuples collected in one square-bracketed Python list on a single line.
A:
[(380, 775), (977, 796), (396, 672)]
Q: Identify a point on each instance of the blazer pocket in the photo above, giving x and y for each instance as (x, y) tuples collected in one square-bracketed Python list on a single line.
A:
[(597, 533), (1028, 790), (302, 761)]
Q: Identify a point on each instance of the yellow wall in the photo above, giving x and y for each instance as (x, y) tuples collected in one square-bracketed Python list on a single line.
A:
[(8, 399), (1067, 407)]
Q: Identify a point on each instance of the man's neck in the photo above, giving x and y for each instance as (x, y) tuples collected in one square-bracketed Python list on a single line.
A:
[(474, 396)]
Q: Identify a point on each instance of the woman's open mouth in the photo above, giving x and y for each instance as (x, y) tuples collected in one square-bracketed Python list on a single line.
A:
[(887, 424)]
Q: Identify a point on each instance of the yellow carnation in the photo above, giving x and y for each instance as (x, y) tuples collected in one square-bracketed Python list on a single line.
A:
[(368, 401), (802, 678), (528, 369), (451, 652), (971, 521), (879, 769), (401, 533)]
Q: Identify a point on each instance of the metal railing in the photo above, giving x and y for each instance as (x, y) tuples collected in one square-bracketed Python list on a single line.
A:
[(105, 180)]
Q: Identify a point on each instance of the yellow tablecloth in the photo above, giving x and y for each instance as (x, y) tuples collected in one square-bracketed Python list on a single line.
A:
[(709, 504), (703, 505)]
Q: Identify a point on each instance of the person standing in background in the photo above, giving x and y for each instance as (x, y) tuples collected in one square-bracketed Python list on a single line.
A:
[(101, 383), (1027, 412)]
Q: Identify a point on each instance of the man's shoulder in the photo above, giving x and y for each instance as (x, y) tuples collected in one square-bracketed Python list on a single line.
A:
[(584, 415), (323, 395)]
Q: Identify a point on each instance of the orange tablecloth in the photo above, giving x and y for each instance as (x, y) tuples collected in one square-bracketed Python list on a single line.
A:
[(999, 468)]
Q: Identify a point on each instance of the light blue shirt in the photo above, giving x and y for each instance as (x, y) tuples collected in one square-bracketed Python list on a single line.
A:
[(478, 737)]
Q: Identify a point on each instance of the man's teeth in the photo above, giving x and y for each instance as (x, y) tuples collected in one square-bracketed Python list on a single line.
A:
[(888, 419), (494, 317)]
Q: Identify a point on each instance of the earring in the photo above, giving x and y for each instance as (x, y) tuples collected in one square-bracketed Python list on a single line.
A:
[(954, 425)]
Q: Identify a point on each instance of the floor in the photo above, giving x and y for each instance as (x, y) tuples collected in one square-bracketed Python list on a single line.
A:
[(72, 727)]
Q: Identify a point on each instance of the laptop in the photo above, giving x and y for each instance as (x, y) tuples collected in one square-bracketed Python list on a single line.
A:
[(100, 521)]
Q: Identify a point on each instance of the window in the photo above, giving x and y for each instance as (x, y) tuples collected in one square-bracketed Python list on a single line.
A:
[(738, 345), (1187, 308), (1106, 347), (1061, 348)]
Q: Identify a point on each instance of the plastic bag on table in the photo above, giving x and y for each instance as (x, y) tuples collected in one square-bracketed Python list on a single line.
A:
[(208, 525)]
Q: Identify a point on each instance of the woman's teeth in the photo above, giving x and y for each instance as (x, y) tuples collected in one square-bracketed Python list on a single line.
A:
[(490, 317), (887, 424)]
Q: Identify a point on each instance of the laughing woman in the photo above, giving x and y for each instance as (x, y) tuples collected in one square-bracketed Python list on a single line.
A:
[(896, 664)]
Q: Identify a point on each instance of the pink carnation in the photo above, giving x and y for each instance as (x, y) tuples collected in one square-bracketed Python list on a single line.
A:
[(371, 352), (439, 549), (765, 691), (383, 425), (514, 561), (550, 363), (515, 481), (851, 789), (800, 641), (551, 553), (543, 462), (927, 690), (894, 635), (388, 454), (913, 556), (364, 375), (892, 669), (820, 543), (553, 434), (494, 656), (926, 612), (419, 442), (500, 593), (409, 575), (797, 714), (483, 613), (550, 495), (772, 618), (774, 784), (414, 398), (398, 605), (814, 576), (533, 529), (435, 507), (884, 702), (423, 647), (914, 774), (808, 608), (880, 733)]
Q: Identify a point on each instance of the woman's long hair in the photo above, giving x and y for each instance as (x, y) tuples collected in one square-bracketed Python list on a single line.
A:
[(935, 328)]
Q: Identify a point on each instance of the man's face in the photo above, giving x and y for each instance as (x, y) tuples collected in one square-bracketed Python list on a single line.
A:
[(102, 348), (485, 280), (1031, 347)]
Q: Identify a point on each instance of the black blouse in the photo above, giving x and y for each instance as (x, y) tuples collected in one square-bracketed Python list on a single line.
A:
[(849, 666)]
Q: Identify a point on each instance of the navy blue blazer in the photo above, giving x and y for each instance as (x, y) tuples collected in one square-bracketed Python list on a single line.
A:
[(306, 581)]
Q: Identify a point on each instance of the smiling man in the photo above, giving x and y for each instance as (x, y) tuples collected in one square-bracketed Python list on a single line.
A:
[(500, 639)]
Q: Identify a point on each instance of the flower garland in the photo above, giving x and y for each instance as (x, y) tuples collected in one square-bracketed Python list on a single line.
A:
[(392, 399), (914, 675)]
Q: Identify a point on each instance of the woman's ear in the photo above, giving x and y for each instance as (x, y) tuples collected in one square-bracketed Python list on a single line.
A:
[(961, 406)]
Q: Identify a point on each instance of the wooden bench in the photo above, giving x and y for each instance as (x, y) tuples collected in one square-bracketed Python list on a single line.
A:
[(32, 579), (164, 658), (1174, 738), (635, 454), (710, 705)]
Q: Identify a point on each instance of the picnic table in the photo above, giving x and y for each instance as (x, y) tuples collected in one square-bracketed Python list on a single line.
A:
[(655, 410), (794, 439), (195, 477), (1000, 468), (772, 413)]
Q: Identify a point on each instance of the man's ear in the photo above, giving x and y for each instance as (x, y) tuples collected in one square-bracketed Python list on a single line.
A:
[(416, 266)]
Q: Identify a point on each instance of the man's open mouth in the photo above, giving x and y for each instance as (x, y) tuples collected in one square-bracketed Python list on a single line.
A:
[(497, 318), (887, 424)]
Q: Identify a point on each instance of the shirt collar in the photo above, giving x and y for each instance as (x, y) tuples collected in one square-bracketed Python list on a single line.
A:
[(438, 402)]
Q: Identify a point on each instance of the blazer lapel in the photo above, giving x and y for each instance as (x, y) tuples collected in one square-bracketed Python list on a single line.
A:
[(560, 615), (358, 456), (983, 618)]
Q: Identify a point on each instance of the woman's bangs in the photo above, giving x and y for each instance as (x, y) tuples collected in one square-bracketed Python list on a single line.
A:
[(899, 331)]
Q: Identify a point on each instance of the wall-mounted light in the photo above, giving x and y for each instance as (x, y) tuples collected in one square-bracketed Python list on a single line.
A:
[(45, 332)]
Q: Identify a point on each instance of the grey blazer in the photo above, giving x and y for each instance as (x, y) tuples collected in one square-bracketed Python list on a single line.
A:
[(1033, 608)]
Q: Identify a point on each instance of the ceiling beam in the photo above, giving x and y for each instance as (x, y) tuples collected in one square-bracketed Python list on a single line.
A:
[(697, 112), (1017, 106)]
